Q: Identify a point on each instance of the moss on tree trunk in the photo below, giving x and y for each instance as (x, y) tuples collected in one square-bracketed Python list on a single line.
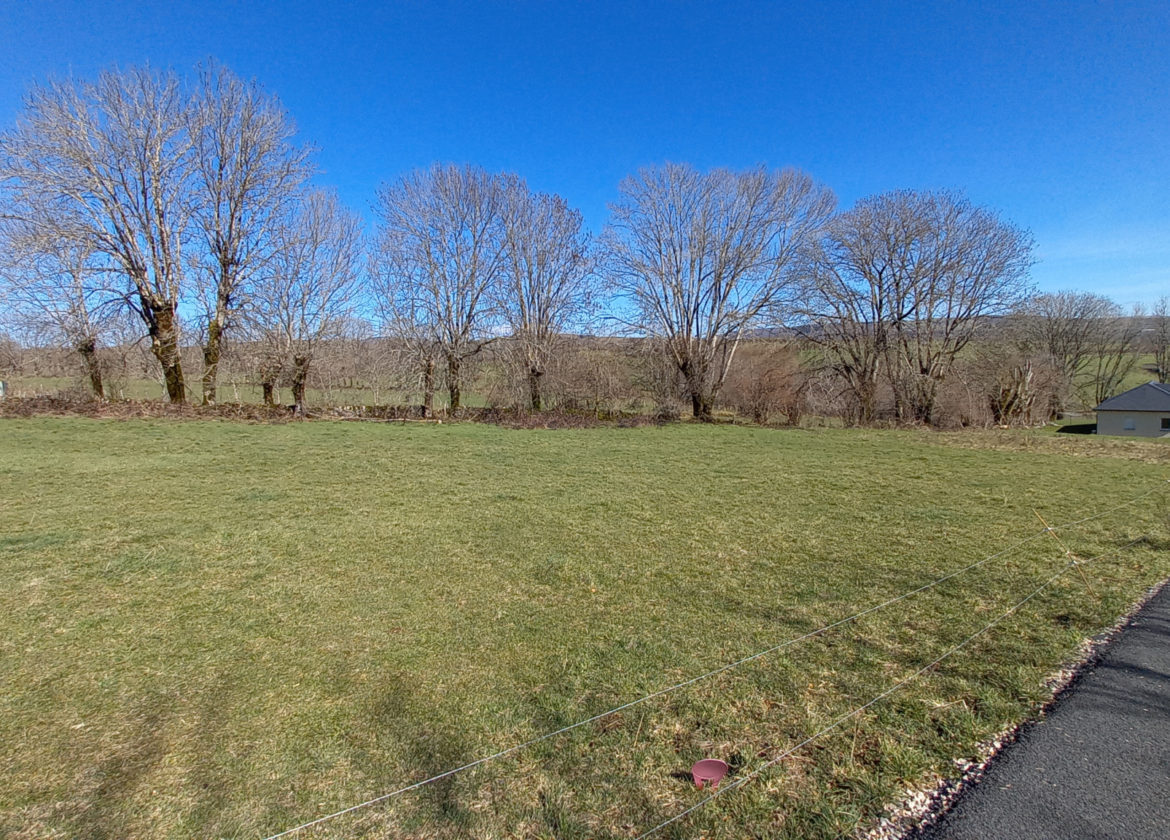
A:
[(87, 347)]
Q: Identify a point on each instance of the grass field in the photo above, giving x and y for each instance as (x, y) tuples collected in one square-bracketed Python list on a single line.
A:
[(223, 630)]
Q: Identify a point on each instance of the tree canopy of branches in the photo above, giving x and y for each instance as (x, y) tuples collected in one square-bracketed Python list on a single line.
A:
[(700, 258), (246, 174), (901, 282), (106, 166), (440, 257), (48, 292), (172, 194), (1113, 354), (1086, 338), (547, 285), (308, 292), (1062, 328)]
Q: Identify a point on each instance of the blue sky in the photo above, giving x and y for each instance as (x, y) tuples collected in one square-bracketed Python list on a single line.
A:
[(1056, 114)]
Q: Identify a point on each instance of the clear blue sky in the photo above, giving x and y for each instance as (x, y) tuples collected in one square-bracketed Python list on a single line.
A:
[(1056, 114)]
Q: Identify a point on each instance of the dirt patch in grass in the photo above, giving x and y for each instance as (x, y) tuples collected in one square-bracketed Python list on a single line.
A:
[(55, 406), (58, 406)]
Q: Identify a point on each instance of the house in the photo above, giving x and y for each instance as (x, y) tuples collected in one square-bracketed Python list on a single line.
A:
[(1143, 411)]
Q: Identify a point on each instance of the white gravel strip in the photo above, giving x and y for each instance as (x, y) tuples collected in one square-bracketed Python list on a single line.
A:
[(921, 806)]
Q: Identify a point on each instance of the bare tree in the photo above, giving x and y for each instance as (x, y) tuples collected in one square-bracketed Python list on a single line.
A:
[(966, 263), (903, 282), (247, 171), (48, 288), (1112, 354), (849, 308), (440, 256), (107, 166), (547, 284), (10, 353), (1158, 338), (1065, 327), (308, 291), (409, 333), (702, 258)]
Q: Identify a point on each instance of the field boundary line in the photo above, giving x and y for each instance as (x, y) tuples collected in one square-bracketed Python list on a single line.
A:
[(707, 675), (772, 762)]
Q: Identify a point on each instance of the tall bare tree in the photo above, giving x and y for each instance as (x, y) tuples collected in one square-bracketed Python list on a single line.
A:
[(849, 306), (50, 289), (308, 292), (700, 258), (247, 171), (440, 255), (1158, 338), (108, 167), (965, 263), (904, 281), (1065, 327), (410, 335), (548, 285), (1112, 354)]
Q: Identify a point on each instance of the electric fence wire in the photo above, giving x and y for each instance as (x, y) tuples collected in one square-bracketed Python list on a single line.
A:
[(707, 675), (743, 780)]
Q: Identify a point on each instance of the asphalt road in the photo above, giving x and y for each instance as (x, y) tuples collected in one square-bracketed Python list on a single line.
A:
[(1097, 766)]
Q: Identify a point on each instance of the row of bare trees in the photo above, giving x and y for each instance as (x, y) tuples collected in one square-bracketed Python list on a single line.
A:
[(140, 193), (189, 207), (463, 257), (898, 286)]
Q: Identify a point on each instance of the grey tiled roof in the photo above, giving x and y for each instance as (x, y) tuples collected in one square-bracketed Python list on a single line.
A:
[(1153, 396)]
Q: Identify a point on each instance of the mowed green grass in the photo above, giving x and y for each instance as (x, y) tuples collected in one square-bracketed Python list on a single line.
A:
[(223, 630)]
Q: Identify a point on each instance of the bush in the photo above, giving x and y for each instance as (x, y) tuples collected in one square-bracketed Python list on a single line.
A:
[(767, 380)]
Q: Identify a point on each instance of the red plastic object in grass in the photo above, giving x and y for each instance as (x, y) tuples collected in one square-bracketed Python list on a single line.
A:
[(709, 770)]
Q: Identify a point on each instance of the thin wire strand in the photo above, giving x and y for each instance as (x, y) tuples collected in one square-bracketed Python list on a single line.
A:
[(1112, 552), (835, 724), (661, 692), (691, 681), (1098, 515)]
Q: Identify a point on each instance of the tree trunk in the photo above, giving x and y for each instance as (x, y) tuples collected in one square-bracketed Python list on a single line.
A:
[(269, 389), (700, 401), (87, 347), (211, 353), (899, 389), (923, 395), (534, 375), (299, 377), (164, 344), (453, 382), (1011, 402), (428, 407), (701, 406), (866, 404)]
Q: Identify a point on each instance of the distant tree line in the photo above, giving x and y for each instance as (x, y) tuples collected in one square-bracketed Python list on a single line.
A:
[(186, 207)]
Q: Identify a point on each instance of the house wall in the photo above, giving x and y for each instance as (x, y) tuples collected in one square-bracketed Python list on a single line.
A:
[(1146, 423)]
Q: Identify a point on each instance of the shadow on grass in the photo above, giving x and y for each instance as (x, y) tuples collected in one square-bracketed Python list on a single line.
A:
[(208, 778), (1077, 429), (425, 734), (105, 805), (1154, 541)]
